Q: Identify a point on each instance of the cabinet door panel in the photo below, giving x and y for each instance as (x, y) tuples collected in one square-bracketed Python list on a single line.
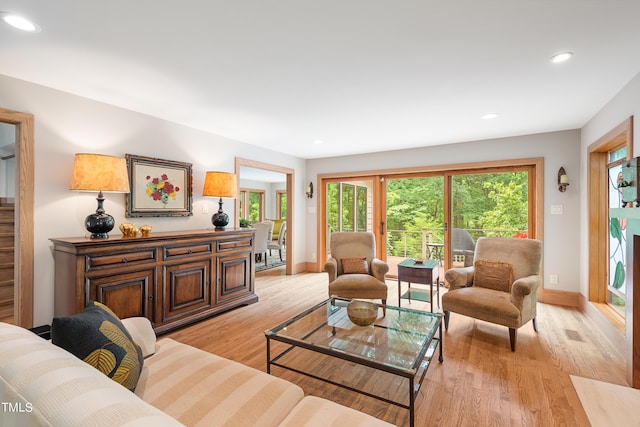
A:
[(234, 276), (187, 288), (127, 294)]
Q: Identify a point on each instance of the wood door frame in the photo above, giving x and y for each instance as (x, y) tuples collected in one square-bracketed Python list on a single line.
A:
[(23, 226), (536, 193), (598, 205), (290, 173)]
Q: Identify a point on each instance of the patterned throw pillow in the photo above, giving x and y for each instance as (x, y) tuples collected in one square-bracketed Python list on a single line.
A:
[(493, 275), (355, 265), (97, 337)]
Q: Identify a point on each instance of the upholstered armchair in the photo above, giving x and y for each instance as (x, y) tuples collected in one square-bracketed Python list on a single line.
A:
[(354, 271), (501, 286)]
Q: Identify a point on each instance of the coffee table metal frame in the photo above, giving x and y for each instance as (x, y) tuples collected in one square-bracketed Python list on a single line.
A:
[(421, 362)]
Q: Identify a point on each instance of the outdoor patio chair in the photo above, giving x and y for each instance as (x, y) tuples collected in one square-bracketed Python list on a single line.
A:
[(463, 245)]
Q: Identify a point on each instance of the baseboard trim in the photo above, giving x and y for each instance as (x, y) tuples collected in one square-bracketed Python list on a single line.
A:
[(555, 297)]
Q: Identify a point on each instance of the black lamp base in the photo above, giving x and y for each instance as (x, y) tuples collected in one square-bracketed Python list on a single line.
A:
[(99, 223), (220, 219)]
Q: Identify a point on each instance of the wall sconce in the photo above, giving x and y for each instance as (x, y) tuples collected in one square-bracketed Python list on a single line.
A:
[(310, 191), (563, 180)]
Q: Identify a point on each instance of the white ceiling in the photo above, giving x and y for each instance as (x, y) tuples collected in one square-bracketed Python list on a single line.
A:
[(361, 75)]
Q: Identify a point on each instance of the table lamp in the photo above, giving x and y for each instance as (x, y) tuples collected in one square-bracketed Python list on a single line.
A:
[(220, 184), (96, 172)]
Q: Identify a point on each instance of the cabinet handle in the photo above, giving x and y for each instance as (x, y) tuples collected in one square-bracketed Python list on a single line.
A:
[(150, 297), (125, 260), (189, 251)]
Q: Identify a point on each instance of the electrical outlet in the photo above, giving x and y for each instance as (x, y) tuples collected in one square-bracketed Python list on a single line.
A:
[(205, 208), (553, 279)]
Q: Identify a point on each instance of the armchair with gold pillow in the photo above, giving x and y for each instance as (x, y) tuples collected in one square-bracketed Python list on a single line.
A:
[(501, 286), (354, 271)]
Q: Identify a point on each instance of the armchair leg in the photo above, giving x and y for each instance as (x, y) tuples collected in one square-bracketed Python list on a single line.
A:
[(512, 338), (384, 308), (446, 320), (535, 325)]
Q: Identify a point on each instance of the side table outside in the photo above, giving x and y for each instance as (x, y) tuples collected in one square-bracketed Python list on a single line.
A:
[(425, 273)]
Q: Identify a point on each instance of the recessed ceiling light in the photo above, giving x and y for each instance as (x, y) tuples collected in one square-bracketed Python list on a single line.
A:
[(19, 22), (561, 57), (490, 116)]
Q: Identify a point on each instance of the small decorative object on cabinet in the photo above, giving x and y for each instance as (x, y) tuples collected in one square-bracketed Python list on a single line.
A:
[(628, 182), (170, 278)]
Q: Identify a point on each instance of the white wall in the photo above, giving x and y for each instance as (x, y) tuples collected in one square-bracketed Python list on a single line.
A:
[(625, 104), (561, 232), (66, 124)]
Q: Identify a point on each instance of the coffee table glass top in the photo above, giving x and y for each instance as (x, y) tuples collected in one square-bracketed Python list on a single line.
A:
[(397, 341)]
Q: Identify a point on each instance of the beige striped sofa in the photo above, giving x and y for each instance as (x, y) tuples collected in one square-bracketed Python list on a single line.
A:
[(43, 385)]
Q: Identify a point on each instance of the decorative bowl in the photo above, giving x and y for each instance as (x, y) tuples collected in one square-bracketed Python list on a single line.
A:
[(418, 260), (362, 313)]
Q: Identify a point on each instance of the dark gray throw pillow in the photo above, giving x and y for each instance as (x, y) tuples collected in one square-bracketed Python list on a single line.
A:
[(98, 337)]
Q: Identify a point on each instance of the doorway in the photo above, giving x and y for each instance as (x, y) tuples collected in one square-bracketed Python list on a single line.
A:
[(23, 216), (288, 201)]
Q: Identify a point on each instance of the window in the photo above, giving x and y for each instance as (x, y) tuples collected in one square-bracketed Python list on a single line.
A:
[(252, 205), (616, 292), (348, 206)]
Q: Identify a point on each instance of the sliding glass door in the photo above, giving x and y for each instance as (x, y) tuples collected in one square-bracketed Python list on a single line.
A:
[(436, 215), (490, 204)]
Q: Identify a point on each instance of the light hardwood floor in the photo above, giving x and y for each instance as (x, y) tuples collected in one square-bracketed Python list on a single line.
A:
[(480, 383)]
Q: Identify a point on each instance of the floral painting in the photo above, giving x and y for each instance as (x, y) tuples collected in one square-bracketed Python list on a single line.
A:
[(158, 187)]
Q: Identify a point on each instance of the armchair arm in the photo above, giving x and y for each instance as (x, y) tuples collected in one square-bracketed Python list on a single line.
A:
[(379, 268), (331, 267), (524, 287), (459, 277)]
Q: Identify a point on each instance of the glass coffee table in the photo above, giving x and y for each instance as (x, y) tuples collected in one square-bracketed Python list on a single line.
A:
[(387, 360)]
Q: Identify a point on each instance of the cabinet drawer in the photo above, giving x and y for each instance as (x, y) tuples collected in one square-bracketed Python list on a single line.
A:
[(229, 245), (415, 275), (125, 258), (172, 252)]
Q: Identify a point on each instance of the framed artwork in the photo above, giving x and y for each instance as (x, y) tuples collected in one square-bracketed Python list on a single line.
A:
[(158, 187)]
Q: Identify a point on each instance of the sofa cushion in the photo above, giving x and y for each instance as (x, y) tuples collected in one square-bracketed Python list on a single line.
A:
[(96, 336), (495, 275), (484, 304), (55, 388), (317, 412), (355, 265), (142, 334), (201, 389)]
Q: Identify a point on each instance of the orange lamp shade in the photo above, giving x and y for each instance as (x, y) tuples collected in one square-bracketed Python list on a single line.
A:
[(97, 172), (220, 184)]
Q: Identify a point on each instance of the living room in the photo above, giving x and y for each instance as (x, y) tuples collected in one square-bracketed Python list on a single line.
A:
[(67, 123)]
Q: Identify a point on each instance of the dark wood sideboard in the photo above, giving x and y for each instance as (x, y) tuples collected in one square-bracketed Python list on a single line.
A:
[(171, 278)]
